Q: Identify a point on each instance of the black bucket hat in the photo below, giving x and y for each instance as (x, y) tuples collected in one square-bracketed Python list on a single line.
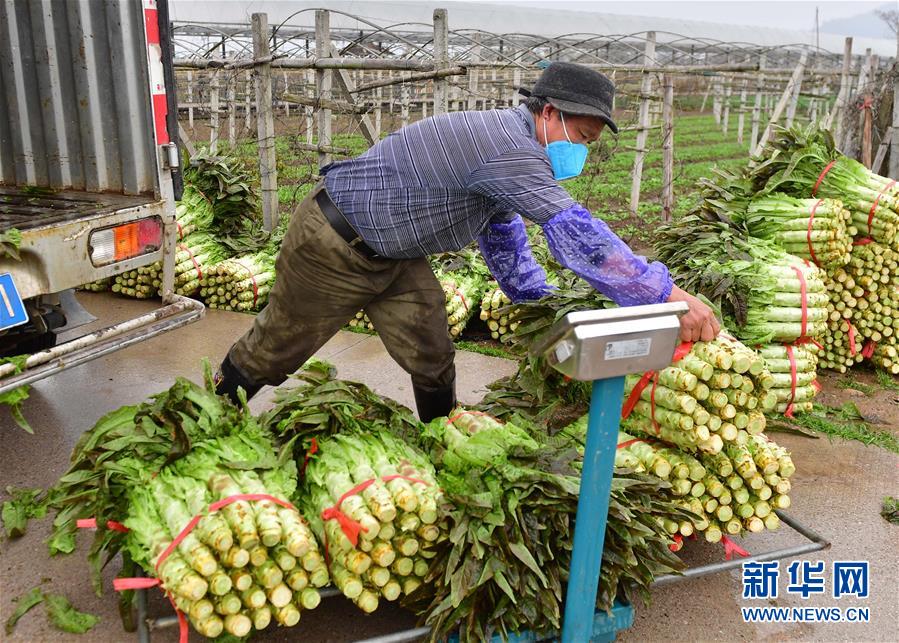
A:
[(575, 89)]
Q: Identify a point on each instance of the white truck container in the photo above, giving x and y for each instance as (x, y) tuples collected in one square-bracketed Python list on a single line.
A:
[(88, 172)]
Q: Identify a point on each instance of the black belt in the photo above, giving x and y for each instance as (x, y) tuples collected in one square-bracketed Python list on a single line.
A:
[(342, 226)]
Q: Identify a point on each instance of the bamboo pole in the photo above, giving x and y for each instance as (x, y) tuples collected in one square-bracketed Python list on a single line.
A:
[(642, 134)]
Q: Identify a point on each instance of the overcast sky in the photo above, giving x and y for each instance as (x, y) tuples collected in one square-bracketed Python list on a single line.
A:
[(792, 14)]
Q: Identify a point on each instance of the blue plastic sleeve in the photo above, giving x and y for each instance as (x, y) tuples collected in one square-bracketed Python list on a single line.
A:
[(508, 255), (586, 246)]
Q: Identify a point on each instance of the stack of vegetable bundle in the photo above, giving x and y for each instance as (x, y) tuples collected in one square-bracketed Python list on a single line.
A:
[(806, 163), (513, 493), (195, 256), (193, 212), (242, 567), (154, 467), (794, 374), (362, 321), (729, 493), (813, 229), (841, 346), (864, 300), (101, 285), (373, 501), (228, 185), (463, 290), (240, 283), (714, 395), (496, 313), (768, 295)]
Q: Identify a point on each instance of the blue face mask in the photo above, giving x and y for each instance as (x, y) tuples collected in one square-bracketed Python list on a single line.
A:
[(567, 158)]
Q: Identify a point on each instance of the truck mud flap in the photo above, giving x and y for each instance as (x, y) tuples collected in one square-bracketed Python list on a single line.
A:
[(180, 312)]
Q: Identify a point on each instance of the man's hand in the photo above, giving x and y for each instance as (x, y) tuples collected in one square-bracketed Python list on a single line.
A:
[(699, 323)]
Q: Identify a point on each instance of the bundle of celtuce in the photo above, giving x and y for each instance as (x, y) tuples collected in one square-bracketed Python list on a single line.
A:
[(239, 283), (512, 500), (101, 285), (874, 273), (794, 373), (769, 294), (537, 390), (193, 212), (728, 493), (886, 356), (373, 500), (864, 308), (361, 321), (229, 187), (496, 312), (813, 229), (841, 346), (157, 465), (244, 566), (463, 290), (195, 256), (714, 395), (806, 163)]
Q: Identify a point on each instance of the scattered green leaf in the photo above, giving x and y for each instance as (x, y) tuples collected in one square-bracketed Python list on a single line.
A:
[(890, 510), (18, 510), (14, 398), (66, 618), (25, 603)]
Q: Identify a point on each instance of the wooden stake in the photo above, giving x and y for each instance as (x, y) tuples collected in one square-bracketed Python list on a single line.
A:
[(757, 107), (265, 124), (894, 146), (190, 98), (642, 133), (309, 80), (794, 102), (668, 147), (441, 60), (727, 94), (782, 103), (323, 81), (214, 113), (742, 118)]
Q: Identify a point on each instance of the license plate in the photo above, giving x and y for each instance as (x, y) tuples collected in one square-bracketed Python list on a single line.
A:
[(12, 310)]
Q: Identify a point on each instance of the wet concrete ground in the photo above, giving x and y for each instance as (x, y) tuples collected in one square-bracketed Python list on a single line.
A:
[(837, 491)]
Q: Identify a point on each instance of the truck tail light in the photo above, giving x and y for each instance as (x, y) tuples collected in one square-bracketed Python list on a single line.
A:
[(126, 241)]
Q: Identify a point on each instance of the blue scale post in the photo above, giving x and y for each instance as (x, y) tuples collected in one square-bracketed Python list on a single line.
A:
[(604, 346)]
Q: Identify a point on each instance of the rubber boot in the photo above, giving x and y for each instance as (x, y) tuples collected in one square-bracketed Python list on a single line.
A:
[(434, 403), (229, 378)]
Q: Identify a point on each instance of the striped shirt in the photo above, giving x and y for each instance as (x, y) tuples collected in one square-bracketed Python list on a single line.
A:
[(433, 186)]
